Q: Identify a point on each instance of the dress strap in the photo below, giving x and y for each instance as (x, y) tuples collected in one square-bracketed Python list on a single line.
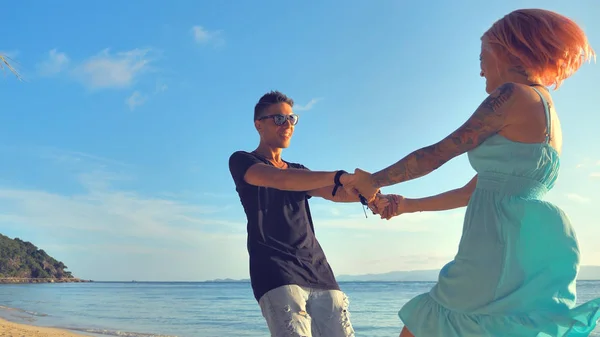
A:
[(547, 111)]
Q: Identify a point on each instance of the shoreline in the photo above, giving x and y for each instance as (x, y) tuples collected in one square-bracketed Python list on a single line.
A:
[(23, 280), (12, 329), (21, 328)]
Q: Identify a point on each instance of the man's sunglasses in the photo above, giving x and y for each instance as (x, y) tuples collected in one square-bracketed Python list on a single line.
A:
[(279, 119)]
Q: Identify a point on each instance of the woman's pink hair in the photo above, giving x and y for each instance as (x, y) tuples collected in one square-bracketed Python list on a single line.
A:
[(548, 46)]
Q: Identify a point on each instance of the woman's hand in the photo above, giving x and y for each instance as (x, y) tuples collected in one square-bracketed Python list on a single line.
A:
[(389, 205), (379, 204)]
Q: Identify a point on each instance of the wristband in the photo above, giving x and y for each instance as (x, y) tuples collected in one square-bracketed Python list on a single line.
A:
[(336, 181)]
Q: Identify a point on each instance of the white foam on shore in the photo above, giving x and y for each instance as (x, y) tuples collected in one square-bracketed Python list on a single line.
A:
[(119, 333), (29, 318)]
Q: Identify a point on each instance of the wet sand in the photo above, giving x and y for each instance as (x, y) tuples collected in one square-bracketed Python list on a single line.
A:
[(10, 329)]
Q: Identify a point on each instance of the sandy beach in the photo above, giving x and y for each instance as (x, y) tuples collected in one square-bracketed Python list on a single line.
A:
[(10, 329)]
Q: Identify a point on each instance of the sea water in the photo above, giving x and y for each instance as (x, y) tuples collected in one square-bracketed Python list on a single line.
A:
[(140, 309)]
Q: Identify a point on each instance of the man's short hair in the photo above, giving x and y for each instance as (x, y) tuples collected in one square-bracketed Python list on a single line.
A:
[(268, 99)]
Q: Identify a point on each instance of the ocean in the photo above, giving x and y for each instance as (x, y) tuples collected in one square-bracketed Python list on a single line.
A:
[(196, 309)]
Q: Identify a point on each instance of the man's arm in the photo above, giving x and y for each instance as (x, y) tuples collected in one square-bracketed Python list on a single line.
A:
[(290, 179), (341, 195)]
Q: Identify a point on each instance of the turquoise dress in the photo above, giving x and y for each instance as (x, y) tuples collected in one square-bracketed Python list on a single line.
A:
[(518, 258)]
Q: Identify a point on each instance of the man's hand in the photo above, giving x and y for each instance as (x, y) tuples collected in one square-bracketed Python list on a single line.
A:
[(347, 181), (360, 181), (342, 193)]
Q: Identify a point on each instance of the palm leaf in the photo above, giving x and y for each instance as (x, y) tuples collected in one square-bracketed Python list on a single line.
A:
[(4, 64)]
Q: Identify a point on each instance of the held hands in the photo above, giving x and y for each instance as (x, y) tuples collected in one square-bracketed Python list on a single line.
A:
[(360, 182), (388, 205)]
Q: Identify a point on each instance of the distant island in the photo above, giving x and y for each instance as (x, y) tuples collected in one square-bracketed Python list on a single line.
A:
[(585, 273), (589, 273), (225, 280), (23, 262)]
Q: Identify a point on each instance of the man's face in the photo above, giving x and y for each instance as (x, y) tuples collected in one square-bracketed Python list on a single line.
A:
[(277, 136)]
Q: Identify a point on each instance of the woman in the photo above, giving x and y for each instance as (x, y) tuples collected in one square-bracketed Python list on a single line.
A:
[(515, 269)]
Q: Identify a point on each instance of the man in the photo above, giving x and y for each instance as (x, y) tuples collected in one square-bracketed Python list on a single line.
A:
[(290, 276)]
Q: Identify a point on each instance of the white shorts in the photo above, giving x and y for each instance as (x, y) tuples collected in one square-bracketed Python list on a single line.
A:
[(297, 311)]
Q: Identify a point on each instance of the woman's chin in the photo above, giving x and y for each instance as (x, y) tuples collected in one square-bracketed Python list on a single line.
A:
[(489, 88)]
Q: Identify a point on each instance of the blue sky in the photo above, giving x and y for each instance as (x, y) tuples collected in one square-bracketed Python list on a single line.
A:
[(115, 147)]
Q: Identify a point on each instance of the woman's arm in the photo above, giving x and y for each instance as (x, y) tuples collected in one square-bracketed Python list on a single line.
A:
[(487, 120), (444, 201)]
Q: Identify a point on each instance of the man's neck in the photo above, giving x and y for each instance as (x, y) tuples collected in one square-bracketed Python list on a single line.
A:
[(269, 153)]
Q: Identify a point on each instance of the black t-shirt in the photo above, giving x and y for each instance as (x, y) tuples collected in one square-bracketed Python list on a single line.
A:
[(281, 240)]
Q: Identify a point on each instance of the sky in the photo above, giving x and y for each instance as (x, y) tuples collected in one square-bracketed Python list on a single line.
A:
[(115, 146)]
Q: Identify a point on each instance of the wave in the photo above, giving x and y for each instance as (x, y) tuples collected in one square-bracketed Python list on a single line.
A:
[(96, 331), (32, 313), (107, 332)]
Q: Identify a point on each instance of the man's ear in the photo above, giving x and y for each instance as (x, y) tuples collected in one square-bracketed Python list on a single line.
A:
[(258, 126)]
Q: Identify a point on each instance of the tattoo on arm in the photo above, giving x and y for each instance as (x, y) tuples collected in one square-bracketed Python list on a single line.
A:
[(488, 119)]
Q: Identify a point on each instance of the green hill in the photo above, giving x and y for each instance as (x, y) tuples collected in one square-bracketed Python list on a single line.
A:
[(23, 262)]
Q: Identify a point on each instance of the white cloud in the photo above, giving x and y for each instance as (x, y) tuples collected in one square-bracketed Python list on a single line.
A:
[(200, 34), (585, 162), (160, 87), (307, 106), (101, 224), (120, 70), (595, 175), (577, 198), (103, 209), (402, 262), (139, 224), (67, 159), (412, 222), (106, 70), (55, 63), (204, 36), (136, 99)]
